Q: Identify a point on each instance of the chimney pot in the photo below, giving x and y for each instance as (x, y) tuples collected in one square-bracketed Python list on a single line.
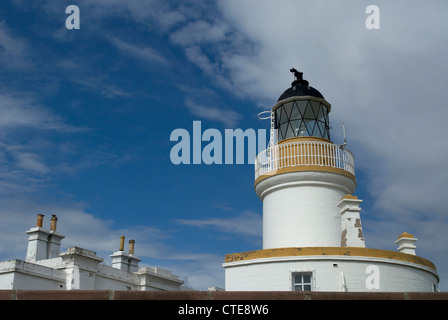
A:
[(40, 219), (53, 222), (131, 246), (121, 243)]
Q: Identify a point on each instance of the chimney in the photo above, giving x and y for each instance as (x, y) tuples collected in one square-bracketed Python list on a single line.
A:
[(37, 241), (42, 243), (120, 258), (133, 260), (53, 222), (125, 261), (121, 244), (406, 243), (40, 220), (351, 229), (131, 246), (54, 239)]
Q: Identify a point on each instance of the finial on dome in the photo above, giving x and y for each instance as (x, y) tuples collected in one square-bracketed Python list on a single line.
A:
[(298, 78), (297, 74)]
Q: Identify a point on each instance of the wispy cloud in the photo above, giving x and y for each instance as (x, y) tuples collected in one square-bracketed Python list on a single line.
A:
[(31, 161), (155, 13), (20, 112), (13, 49), (199, 32), (29, 152), (99, 84), (227, 117), (247, 224), (146, 54)]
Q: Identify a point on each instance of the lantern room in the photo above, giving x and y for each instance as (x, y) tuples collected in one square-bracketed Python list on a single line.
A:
[(301, 111)]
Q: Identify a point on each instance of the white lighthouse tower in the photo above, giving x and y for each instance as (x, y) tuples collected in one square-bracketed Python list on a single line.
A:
[(312, 232)]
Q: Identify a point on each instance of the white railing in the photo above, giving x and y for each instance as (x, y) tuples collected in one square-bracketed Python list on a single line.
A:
[(305, 153)]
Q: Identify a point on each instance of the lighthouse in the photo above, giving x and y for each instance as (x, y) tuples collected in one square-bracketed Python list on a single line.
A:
[(312, 231), (303, 177)]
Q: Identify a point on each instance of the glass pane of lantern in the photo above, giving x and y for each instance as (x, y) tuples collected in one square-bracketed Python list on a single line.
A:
[(316, 131), (277, 118), (322, 129), (309, 113), (310, 126), (289, 132), (282, 131), (295, 114), (288, 107), (302, 130), (295, 124), (283, 116), (315, 107), (322, 112), (302, 107)]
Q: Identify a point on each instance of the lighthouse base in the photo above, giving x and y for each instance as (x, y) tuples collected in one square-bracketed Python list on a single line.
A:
[(341, 269)]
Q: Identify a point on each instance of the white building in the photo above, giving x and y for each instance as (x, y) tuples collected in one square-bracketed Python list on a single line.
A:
[(46, 268), (312, 232)]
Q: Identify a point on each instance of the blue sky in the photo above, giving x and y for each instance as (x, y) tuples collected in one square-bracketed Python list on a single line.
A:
[(86, 117)]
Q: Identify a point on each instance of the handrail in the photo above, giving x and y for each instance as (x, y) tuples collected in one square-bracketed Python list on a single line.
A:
[(304, 153)]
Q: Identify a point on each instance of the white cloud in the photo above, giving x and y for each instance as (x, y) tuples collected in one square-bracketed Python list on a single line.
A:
[(25, 146), (162, 13), (13, 49), (199, 32), (226, 116), (157, 14), (24, 112), (386, 86), (248, 224), (100, 84), (199, 271), (210, 68), (146, 54), (31, 161)]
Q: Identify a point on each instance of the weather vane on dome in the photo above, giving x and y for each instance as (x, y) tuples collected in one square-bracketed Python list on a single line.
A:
[(298, 81), (297, 74)]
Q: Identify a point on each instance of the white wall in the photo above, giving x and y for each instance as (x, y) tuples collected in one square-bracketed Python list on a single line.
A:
[(17, 274), (86, 274), (274, 274), (300, 209)]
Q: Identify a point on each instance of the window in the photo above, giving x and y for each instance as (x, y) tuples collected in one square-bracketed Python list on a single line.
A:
[(302, 281), (300, 118)]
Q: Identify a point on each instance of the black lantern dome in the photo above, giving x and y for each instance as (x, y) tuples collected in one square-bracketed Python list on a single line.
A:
[(300, 87)]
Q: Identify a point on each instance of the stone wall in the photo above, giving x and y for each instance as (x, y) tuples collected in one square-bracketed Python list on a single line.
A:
[(213, 295)]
